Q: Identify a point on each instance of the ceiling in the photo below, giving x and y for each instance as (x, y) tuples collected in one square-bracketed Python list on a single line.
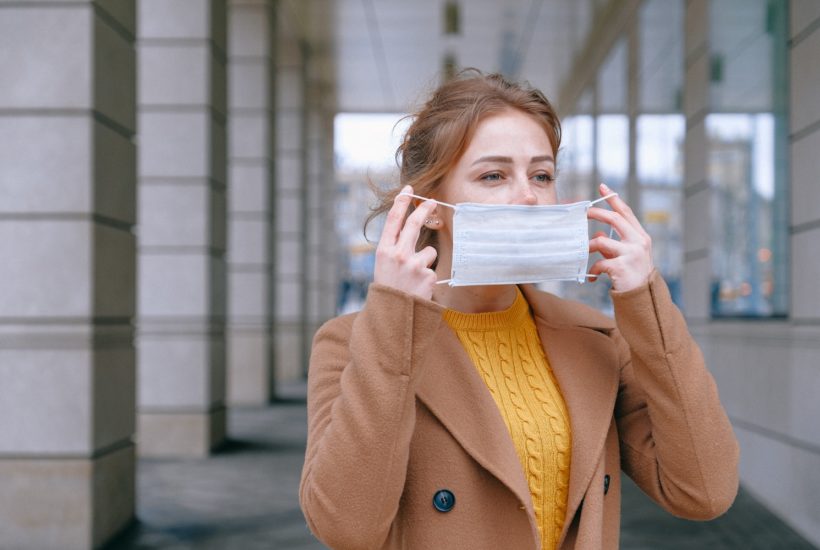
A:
[(390, 53)]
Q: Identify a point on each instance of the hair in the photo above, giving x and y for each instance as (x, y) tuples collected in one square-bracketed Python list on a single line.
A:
[(443, 127)]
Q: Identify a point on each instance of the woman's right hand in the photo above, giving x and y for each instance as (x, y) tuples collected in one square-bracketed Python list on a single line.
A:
[(398, 265)]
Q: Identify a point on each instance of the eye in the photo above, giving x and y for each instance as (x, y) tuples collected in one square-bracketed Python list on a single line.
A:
[(544, 178), (492, 176)]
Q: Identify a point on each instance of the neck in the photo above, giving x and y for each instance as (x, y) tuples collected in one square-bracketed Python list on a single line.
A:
[(472, 299), (475, 299)]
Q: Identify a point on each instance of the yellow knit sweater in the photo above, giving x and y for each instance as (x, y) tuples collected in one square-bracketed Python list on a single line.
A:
[(506, 349)]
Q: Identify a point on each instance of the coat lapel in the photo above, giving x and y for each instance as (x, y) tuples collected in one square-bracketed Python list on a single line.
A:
[(455, 393), (585, 364)]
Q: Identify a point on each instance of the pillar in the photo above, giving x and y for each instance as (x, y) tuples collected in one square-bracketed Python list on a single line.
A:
[(251, 202), (697, 266), (323, 244), (67, 211), (290, 168), (182, 174)]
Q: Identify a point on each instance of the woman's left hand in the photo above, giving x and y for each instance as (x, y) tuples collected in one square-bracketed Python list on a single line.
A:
[(628, 262)]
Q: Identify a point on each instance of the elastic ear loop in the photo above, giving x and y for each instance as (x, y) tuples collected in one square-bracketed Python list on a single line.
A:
[(428, 199), (444, 281), (611, 229)]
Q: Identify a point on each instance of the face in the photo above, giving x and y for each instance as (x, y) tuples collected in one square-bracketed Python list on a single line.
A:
[(508, 161)]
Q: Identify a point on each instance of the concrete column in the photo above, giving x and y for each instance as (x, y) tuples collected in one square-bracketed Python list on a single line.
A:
[(323, 242), (290, 153), (67, 209), (182, 173), (317, 190), (252, 66), (805, 164), (322, 250), (633, 99), (332, 243), (697, 267)]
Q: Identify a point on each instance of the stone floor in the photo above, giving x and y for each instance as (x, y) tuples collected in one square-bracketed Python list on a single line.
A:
[(245, 498)]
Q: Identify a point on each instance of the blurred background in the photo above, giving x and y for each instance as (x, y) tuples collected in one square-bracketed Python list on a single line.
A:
[(183, 186)]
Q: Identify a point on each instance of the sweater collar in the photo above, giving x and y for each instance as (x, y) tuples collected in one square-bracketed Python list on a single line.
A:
[(509, 318)]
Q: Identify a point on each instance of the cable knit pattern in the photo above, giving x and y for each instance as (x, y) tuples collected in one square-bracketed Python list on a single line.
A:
[(507, 352)]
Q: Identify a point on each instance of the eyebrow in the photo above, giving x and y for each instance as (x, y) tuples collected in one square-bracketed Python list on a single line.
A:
[(509, 160)]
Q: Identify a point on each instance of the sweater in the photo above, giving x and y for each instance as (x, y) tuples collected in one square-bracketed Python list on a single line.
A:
[(505, 348)]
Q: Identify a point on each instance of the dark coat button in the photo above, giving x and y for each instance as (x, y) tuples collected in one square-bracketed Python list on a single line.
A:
[(444, 500), (606, 484)]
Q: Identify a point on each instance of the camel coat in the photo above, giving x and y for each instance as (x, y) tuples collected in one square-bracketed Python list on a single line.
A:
[(397, 412)]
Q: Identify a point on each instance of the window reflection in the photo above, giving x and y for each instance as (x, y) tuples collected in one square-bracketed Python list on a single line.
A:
[(660, 144), (660, 173), (747, 152), (613, 150), (575, 161), (746, 248)]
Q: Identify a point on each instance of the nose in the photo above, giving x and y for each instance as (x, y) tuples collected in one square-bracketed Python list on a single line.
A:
[(524, 193)]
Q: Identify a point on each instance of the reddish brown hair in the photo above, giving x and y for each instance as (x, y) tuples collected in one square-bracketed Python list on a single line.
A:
[(443, 127)]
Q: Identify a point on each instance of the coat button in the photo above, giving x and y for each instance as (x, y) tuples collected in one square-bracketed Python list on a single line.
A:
[(606, 484), (444, 500)]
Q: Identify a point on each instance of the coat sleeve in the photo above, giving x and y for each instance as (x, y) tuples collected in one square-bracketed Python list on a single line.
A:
[(361, 415), (676, 440)]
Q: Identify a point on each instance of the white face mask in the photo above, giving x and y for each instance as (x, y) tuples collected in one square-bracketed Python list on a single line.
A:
[(496, 244)]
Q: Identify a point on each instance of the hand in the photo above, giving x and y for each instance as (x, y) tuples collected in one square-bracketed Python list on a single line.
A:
[(628, 262), (398, 265)]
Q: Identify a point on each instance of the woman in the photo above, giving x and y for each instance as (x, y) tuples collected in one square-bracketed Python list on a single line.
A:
[(495, 415)]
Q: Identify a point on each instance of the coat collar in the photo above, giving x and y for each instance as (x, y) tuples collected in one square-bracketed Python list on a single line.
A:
[(585, 365)]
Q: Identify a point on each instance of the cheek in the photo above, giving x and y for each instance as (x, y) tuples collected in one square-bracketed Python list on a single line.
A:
[(548, 195)]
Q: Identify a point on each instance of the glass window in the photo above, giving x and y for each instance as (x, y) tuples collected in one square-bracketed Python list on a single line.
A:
[(660, 129), (747, 144), (612, 150), (660, 174), (612, 131), (575, 161)]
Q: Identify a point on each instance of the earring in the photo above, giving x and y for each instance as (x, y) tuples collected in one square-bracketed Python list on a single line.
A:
[(431, 221)]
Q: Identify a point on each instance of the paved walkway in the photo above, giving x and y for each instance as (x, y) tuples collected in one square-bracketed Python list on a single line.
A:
[(245, 498)]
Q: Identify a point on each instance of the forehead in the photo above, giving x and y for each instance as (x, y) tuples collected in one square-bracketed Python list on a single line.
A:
[(509, 133)]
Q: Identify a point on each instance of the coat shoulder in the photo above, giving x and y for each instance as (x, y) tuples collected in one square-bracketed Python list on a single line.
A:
[(337, 327)]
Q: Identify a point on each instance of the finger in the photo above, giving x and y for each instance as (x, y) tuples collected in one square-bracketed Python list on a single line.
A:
[(609, 248), (601, 266), (427, 255), (395, 217), (409, 235), (619, 205), (624, 229)]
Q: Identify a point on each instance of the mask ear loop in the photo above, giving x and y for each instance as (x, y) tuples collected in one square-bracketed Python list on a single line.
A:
[(443, 281), (428, 199), (611, 229)]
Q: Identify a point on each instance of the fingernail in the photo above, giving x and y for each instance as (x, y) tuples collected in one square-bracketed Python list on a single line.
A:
[(605, 186)]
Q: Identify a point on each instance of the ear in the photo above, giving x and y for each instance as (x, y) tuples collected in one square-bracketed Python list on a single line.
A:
[(433, 221)]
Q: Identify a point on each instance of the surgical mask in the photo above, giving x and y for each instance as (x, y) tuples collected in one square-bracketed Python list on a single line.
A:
[(496, 244)]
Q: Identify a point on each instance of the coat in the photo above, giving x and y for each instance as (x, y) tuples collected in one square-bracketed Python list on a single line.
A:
[(397, 412)]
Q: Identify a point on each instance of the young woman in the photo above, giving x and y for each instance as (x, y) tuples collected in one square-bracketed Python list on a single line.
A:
[(495, 415)]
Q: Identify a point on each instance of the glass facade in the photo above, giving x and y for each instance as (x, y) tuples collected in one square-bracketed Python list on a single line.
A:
[(747, 153)]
